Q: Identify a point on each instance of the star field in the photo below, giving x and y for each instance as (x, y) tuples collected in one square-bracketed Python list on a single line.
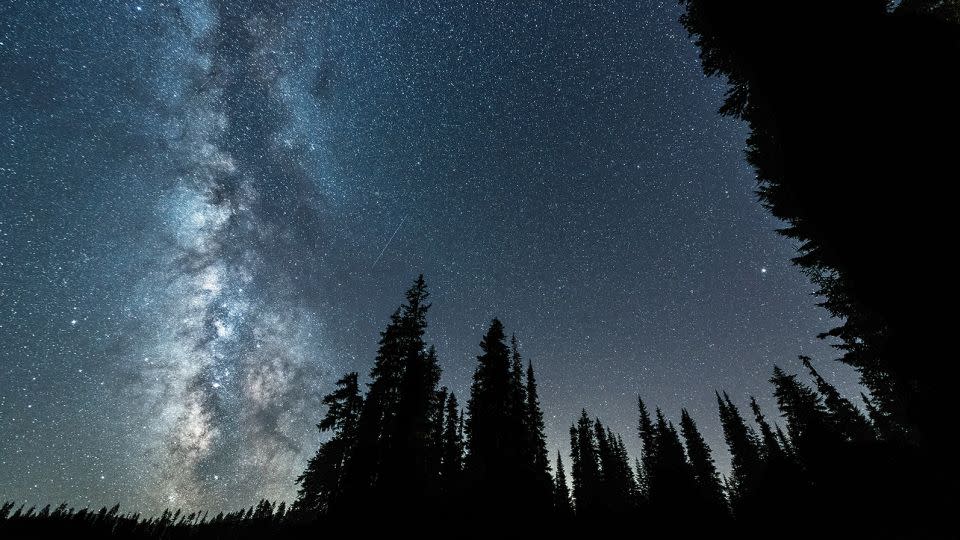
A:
[(210, 208)]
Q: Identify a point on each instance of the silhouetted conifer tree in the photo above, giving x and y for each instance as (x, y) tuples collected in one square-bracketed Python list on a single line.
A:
[(812, 431), (704, 469), (394, 457), (321, 483), (562, 505), (746, 462), (495, 456), (617, 487), (585, 467), (772, 448), (846, 418), (452, 447), (648, 438), (542, 484), (832, 464), (671, 481)]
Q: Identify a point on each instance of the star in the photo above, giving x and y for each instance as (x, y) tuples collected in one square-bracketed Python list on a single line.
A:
[(252, 251)]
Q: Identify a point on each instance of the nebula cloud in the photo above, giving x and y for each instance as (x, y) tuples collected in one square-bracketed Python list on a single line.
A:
[(231, 371)]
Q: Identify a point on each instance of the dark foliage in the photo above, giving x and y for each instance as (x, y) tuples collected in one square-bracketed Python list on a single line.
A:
[(853, 112)]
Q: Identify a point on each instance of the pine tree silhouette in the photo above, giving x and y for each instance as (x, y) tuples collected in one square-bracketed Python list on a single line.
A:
[(395, 455), (846, 418), (562, 505), (746, 463), (648, 438), (618, 487), (671, 483), (541, 491), (585, 468), (714, 503), (495, 455), (452, 449), (321, 483)]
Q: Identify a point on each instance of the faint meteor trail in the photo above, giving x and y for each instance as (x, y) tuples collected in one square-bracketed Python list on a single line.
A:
[(388, 243)]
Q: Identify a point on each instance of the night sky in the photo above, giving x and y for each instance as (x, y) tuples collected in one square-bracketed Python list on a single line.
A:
[(210, 208)]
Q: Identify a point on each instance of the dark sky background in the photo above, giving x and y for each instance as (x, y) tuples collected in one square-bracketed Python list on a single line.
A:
[(210, 208)]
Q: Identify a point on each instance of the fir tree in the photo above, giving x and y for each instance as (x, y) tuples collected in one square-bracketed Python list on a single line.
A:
[(495, 456), (809, 423), (671, 482), (585, 467), (704, 469), (518, 398), (321, 484), (395, 446), (649, 450), (746, 462), (452, 447), (846, 418), (561, 492), (772, 448), (537, 444), (617, 488)]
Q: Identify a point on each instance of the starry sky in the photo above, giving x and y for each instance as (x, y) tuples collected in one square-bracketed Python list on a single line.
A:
[(210, 208)]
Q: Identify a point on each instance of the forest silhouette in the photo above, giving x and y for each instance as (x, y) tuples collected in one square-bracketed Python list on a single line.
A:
[(853, 115)]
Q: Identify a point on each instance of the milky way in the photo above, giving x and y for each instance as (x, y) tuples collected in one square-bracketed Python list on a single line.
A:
[(228, 374), (210, 208)]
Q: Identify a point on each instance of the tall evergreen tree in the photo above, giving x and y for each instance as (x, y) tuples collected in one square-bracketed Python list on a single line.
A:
[(772, 448), (671, 480), (809, 424), (846, 418), (832, 467), (746, 462), (518, 398), (321, 484), (781, 482), (648, 438), (495, 455), (379, 411), (704, 468), (585, 467), (395, 445), (541, 488), (631, 480), (617, 488), (452, 447), (561, 492)]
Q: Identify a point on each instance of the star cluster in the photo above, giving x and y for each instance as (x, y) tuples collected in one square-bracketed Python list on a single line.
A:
[(211, 207)]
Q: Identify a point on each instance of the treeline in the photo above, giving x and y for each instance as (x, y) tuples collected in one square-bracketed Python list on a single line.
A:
[(402, 453), (406, 451), (258, 521)]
